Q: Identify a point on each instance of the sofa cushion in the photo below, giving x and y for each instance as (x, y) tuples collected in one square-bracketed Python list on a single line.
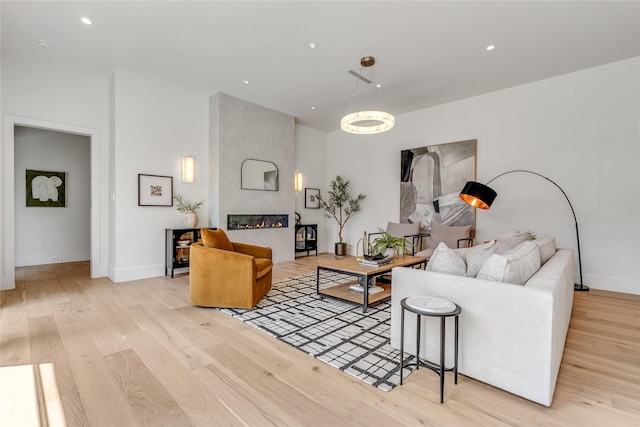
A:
[(510, 240), (449, 234), (446, 260), (515, 266), (216, 239), (547, 246), (475, 256)]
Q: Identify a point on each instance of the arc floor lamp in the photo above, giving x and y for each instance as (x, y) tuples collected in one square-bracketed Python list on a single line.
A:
[(482, 196)]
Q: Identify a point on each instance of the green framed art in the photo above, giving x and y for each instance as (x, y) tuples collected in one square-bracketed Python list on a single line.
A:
[(46, 189)]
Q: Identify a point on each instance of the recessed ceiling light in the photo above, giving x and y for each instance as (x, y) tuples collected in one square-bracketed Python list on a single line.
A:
[(378, 84), (86, 20), (313, 108), (247, 82), (491, 47), (312, 45), (43, 43)]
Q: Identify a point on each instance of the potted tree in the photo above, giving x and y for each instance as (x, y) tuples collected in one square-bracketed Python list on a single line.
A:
[(188, 209), (341, 206)]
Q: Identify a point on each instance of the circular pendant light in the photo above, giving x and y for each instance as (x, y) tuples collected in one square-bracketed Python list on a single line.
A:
[(366, 122)]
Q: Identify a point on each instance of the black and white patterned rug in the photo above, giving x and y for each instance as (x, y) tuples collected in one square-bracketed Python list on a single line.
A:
[(331, 330)]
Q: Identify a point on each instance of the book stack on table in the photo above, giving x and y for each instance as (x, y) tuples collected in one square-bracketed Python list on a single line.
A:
[(375, 263)]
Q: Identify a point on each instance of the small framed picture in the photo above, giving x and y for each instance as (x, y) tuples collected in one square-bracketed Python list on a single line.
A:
[(155, 190), (312, 198)]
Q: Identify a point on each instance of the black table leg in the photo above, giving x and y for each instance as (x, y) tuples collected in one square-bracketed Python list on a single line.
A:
[(442, 368), (455, 353), (417, 341), (367, 284), (401, 342)]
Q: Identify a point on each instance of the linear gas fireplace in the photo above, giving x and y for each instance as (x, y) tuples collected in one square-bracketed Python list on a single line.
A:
[(254, 222)]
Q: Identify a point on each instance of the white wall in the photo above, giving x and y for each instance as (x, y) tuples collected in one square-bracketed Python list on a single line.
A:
[(311, 161), (46, 234), (582, 130), (155, 124), (38, 96)]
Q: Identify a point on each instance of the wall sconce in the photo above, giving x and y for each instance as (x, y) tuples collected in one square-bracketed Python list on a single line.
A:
[(188, 169), (297, 182)]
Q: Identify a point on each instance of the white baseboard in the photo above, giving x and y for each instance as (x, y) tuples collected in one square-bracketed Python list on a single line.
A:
[(614, 284), (135, 273), (52, 258)]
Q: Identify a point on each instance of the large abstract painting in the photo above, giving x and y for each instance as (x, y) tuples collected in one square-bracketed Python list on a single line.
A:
[(430, 184)]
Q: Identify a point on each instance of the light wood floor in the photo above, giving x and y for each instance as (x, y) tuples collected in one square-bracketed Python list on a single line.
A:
[(137, 353)]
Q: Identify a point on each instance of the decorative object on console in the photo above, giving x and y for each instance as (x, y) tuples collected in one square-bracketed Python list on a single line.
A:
[(312, 198), (340, 206), (367, 121), (482, 196), (430, 181), (188, 169), (188, 209), (259, 175), (155, 190)]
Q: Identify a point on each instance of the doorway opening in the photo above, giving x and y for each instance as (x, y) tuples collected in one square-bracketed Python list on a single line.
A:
[(52, 196), (98, 210)]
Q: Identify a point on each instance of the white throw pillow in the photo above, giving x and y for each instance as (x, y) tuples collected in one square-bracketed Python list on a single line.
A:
[(515, 266), (446, 260), (547, 246), (510, 240), (475, 256)]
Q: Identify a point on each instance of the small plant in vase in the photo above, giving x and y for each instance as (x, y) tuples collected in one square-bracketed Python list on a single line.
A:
[(188, 209), (341, 206), (389, 245)]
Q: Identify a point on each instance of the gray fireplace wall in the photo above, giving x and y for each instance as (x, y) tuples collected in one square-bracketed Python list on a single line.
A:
[(241, 130)]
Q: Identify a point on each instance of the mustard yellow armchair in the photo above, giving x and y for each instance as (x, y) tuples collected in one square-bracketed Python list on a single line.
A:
[(228, 274)]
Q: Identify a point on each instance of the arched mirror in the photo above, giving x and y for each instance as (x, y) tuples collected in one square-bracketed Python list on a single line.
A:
[(259, 175)]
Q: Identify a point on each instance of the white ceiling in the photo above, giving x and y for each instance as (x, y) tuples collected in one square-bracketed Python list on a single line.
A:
[(427, 52)]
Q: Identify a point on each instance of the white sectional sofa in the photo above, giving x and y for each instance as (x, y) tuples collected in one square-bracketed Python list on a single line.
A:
[(511, 336)]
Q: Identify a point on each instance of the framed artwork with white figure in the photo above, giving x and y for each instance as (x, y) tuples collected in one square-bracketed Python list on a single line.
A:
[(46, 189)]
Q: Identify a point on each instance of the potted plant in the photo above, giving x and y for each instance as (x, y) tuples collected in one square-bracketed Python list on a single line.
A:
[(341, 206), (385, 242), (188, 209)]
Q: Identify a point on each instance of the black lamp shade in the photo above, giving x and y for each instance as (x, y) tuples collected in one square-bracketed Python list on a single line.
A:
[(478, 195)]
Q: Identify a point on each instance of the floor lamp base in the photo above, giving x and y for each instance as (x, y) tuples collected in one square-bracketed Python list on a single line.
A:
[(580, 287)]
